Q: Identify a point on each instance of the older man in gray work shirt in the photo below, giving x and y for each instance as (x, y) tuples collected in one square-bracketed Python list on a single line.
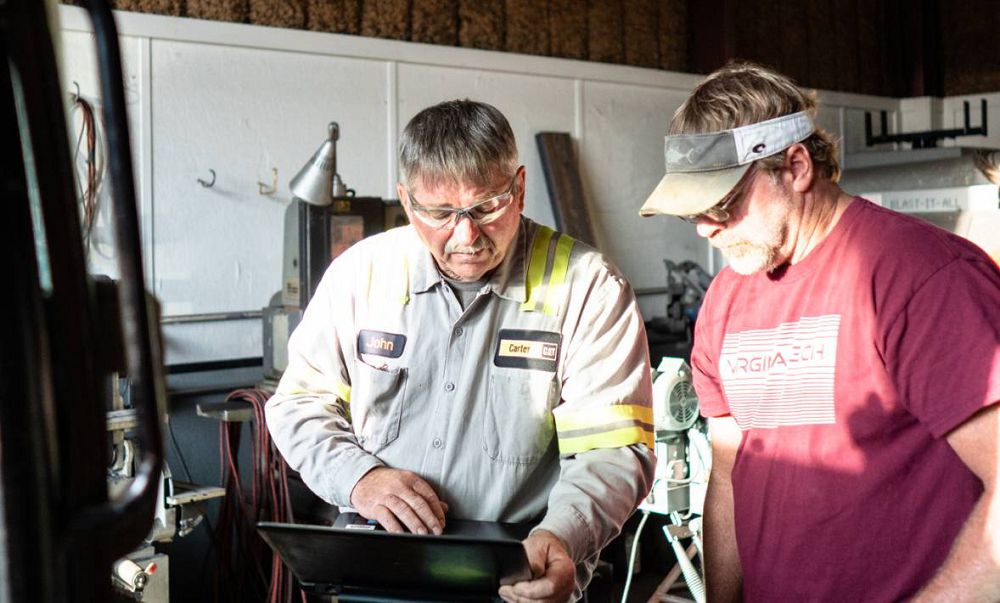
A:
[(474, 365)]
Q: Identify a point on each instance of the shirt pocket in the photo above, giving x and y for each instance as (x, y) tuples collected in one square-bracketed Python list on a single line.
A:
[(377, 399), (518, 427)]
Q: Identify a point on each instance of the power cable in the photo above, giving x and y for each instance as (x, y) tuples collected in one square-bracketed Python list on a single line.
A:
[(631, 557), (267, 499)]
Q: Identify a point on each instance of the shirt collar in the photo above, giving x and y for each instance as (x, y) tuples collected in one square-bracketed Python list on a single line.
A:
[(507, 280)]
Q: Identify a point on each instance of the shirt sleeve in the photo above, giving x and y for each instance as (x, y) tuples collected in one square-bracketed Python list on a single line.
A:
[(603, 423), (704, 368), (943, 348), (309, 415)]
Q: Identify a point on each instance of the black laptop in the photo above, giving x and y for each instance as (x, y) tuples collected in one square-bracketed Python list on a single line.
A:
[(357, 560)]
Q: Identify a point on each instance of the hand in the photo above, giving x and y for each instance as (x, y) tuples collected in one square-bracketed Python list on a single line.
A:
[(400, 501), (553, 572)]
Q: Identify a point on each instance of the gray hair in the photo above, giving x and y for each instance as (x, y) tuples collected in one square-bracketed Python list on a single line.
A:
[(457, 142)]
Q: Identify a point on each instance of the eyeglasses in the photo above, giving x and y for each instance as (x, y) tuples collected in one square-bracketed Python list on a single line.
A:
[(720, 211), (481, 213)]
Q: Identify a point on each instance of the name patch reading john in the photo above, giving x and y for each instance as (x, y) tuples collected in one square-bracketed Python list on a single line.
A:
[(537, 350), (379, 343)]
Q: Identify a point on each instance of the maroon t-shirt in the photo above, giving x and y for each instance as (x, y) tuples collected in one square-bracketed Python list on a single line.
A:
[(844, 372)]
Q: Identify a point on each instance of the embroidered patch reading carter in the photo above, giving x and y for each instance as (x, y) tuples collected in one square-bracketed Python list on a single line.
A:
[(527, 349)]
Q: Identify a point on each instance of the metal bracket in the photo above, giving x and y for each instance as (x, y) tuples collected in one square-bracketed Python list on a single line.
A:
[(923, 140), (265, 189), (206, 183)]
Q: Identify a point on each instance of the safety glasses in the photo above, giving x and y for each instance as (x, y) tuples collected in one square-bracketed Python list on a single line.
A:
[(481, 213), (720, 212)]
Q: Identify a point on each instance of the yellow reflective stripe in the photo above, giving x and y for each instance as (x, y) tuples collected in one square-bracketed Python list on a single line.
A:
[(560, 264), (567, 420), (604, 427), (375, 282), (343, 391), (536, 268), (368, 288), (305, 379), (405, 299), (608, 439)]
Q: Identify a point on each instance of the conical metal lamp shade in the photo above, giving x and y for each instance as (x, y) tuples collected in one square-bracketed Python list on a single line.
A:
[(314, 183)]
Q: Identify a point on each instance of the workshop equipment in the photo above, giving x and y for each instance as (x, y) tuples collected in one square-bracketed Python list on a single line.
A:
[(956, 187), (61, 530), (143, 573), (682, 450), (325, 219)]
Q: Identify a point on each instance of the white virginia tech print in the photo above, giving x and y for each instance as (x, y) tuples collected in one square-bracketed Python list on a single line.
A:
[(782, 376)]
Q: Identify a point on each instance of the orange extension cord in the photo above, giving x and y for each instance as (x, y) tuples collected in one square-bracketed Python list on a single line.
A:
[(241, 554)]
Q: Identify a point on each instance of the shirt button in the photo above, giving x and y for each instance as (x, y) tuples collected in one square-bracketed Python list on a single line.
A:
[(459, 331), (436, 442), (449, 387)]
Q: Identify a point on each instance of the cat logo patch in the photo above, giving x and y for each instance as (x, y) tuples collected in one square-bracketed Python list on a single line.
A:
[(537, 350), (378, 343)]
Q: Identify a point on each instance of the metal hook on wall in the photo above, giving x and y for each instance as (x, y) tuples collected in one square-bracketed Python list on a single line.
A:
[(264, 189), (208, 184)]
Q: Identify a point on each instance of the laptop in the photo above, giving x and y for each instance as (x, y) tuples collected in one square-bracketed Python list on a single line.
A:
[(357, 560)]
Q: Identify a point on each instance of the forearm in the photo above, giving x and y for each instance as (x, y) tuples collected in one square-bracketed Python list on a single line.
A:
[(971, 572), (723, 572), (596, 493), (316, 439)]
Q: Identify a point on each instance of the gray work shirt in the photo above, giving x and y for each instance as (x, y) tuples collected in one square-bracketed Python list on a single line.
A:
[(531, 403)]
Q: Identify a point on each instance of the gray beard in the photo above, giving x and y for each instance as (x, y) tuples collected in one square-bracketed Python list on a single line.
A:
[(750, 259)]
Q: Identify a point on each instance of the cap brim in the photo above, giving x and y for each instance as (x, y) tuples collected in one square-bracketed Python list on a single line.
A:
[(690, 193)]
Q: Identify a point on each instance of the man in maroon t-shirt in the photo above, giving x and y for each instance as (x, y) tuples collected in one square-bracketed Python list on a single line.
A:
[(847, 359)]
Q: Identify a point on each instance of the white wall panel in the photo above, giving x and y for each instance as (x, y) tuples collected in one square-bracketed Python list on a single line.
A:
[(78, 69), (243, 112), (532, 104), (622, 159), (242, 100)]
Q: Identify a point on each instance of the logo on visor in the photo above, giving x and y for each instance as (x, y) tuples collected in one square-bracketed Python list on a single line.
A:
[(759, 147), (674, 156)]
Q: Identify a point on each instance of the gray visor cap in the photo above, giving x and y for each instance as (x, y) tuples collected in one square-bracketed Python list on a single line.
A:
[(703, 168)]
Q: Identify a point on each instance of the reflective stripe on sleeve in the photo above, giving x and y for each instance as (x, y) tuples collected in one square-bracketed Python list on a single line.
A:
[(343, 391), (560, 264), (405, 297), (546, 274), (536, 268), (380, 282), (606, 427), (311, 383)]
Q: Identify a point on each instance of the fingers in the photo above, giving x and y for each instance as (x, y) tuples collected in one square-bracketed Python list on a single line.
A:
[(553, 570), (386, 519), (400, 501), (414, 512), (437, 506), (537, 558), (543, 589)]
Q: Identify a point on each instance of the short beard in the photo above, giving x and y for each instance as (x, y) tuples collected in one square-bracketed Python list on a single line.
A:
[(750, 258), (763, 255)]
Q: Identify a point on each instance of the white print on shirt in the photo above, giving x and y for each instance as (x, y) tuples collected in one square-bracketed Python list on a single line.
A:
[(781, 376)]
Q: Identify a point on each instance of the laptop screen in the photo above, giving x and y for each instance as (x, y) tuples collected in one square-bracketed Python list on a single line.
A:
[(470, 560)]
